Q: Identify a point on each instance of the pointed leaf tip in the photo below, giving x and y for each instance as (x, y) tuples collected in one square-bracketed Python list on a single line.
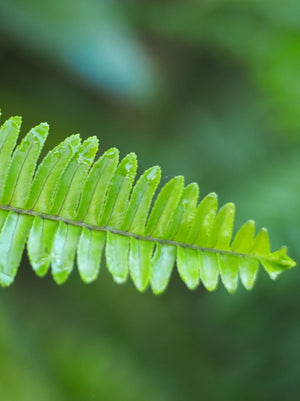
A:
[(88, 150), (5, 280), (112, 152), (73, 141), (128, 165), (262, 243), (283, 259), (244, 239), (277, 262), (40, 132), (17, 120), (153, 173)]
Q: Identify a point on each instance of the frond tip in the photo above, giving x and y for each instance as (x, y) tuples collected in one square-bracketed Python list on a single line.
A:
[(72, 205)]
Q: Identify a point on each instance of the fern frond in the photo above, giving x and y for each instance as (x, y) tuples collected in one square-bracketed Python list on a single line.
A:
[(72, 205)]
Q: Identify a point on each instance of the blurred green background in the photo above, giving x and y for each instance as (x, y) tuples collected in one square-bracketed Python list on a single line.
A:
[(205, 88)]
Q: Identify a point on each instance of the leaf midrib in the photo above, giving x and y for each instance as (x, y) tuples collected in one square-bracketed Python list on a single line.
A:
[(113, 230)]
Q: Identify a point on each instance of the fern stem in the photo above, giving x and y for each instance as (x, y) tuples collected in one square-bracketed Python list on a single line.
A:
[(126, 233)]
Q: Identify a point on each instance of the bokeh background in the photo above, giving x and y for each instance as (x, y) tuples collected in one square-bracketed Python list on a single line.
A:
[(209, 89)]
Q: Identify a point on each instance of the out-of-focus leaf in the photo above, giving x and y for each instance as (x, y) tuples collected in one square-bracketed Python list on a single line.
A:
[(93, 39)]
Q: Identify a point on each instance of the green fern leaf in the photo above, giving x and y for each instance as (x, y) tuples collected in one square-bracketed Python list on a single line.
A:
[(70, 206)]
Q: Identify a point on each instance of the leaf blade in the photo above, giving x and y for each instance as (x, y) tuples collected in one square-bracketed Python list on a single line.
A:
[(90, 249), (22, 166)]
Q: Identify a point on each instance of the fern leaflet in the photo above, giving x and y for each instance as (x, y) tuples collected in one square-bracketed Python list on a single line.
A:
[(72, 205)]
